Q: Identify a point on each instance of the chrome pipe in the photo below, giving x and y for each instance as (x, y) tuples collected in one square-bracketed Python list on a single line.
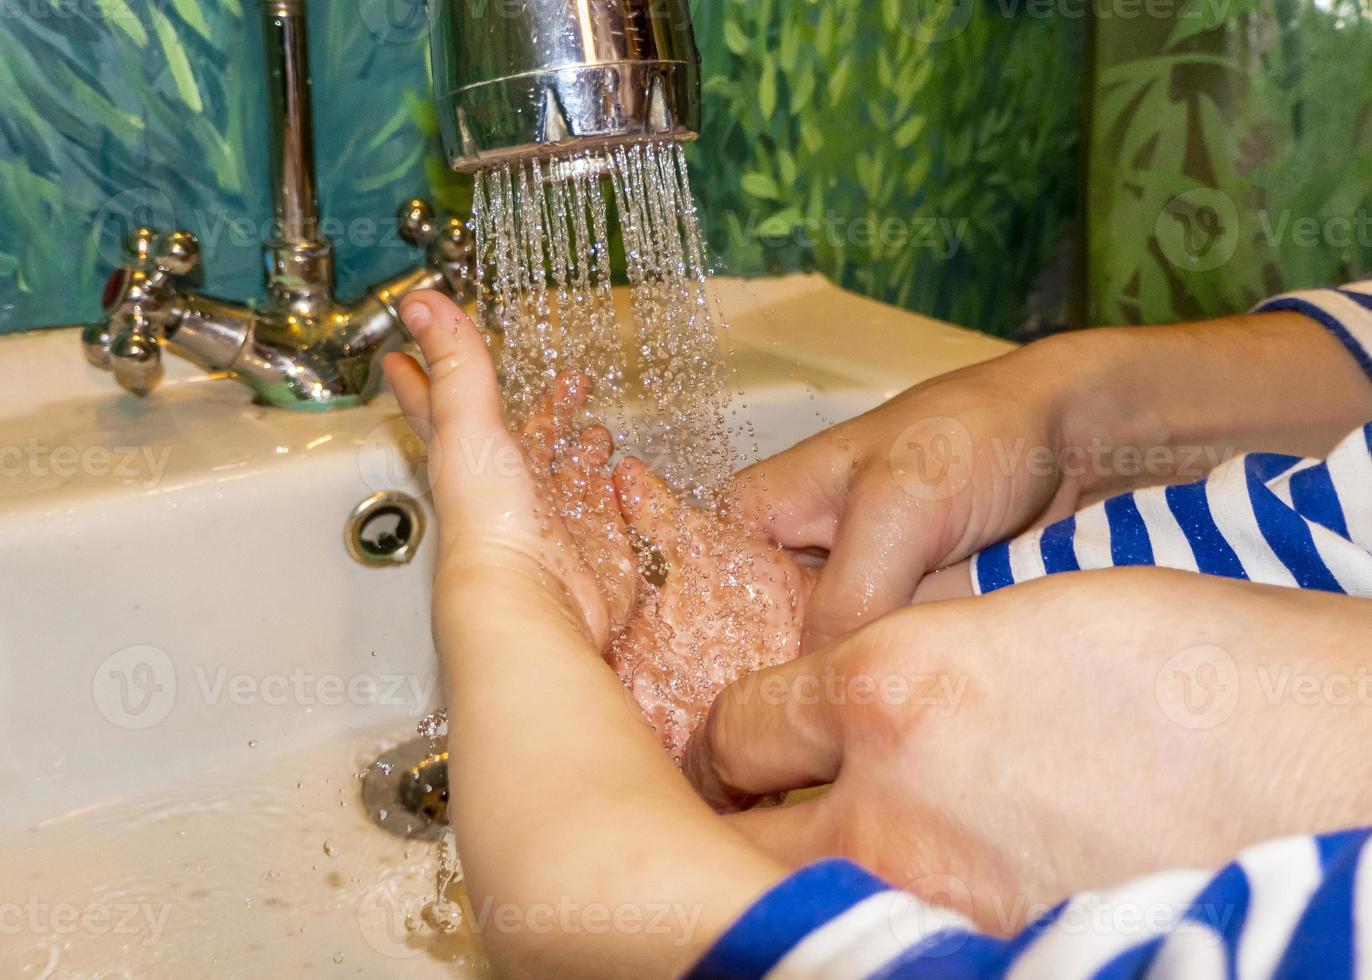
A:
[(537, 78), (292, 125)]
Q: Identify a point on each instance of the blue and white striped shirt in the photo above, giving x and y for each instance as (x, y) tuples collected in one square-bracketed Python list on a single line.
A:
[(1278, 520), (1291, 908), (1296, 907)]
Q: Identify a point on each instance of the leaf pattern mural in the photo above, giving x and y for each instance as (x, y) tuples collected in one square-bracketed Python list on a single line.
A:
[(925, 153), (836, 112), (1229, 156)]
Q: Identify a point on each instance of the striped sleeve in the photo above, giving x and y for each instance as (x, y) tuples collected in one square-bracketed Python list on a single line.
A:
[(1296, 907), (1277, 520), (1272, 519), (1346, 312)]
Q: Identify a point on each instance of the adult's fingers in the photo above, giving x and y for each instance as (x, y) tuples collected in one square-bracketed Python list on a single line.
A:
[(794, 498), (775, 730), (877, 559)]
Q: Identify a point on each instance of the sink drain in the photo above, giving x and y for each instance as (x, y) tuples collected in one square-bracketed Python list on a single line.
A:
[(406, 791)]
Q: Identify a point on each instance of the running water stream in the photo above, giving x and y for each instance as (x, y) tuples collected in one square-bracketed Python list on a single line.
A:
[(543, 231)]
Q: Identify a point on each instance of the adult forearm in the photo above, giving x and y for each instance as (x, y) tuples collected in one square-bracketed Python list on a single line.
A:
[(1195, 394)]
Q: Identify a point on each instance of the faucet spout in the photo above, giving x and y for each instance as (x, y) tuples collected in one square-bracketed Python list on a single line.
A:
[(549, 77), (288, 101)]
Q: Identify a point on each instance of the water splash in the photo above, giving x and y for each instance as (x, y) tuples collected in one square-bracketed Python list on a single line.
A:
[(543, 252)]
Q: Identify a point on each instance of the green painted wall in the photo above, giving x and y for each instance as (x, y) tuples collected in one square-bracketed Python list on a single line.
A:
[(925, 154), (1230, 156)]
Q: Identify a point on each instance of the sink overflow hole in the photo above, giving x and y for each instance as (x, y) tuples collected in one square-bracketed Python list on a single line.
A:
[(385, 530)]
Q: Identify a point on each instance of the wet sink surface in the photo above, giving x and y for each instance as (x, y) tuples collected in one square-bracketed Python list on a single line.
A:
[(263, 870)]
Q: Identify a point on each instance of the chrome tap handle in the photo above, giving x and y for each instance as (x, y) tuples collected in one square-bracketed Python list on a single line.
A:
[(447, 244), (416, 221), (177, 254), (135, 352), (141, 303)]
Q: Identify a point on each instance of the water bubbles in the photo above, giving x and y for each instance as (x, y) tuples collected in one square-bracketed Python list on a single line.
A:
[(330, 848), (433, 725)]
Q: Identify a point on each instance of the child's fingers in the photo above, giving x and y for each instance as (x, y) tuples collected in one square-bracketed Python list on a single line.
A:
[(475, 466), (411, 386), (597, 445), (464, 398), (581, 477), (565, 397), (647, 503)]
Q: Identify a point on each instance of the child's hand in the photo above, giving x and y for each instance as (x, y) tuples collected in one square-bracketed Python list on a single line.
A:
[(720, 605), (693, 603), (723, 605), (569, 464), (561, 789), (499, 496)]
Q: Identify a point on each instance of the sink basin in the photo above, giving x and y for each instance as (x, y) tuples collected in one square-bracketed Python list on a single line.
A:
[(194, 669)]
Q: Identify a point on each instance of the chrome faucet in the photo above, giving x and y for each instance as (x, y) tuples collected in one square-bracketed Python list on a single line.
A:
[(524, 78), (302, 349), (513, 79)]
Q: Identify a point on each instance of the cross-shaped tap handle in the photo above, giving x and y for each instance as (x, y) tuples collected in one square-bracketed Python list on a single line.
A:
[(141, 302)]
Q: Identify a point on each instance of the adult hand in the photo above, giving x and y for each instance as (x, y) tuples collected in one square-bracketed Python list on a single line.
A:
[(973, 457), (999, 753), (918, 484)]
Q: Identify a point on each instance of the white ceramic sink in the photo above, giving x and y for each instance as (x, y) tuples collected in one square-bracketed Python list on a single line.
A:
[(193, 668)]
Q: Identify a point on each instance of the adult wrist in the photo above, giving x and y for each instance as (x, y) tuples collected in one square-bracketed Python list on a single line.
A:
[(1082, 404)]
